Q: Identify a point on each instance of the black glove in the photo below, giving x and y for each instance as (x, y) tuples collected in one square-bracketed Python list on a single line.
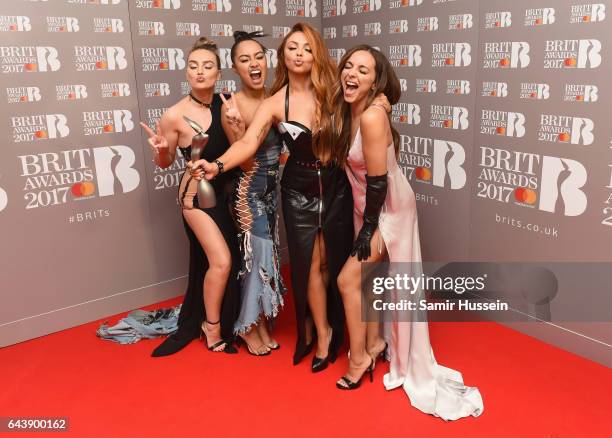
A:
[(376, 192)]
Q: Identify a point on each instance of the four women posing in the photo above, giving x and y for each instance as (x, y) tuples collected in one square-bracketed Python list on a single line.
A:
[(334, 125)]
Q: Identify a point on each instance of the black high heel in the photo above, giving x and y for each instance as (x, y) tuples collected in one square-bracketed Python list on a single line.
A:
[(350, 385), (319, 364), (229, 349)]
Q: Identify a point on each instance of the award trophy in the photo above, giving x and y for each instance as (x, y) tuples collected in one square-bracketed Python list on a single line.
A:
[(206, 192)]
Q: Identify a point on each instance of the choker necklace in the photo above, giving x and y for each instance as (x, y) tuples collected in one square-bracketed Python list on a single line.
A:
[(198, 101)]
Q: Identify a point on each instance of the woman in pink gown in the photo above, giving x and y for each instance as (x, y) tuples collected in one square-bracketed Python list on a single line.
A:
[(386, 226)]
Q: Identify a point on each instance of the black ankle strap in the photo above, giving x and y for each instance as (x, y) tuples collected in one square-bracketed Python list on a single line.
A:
[(212, 323)]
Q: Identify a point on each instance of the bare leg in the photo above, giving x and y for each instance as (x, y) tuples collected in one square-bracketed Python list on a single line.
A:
[(265, 335), (349, 283), (255, 343), (215, 279), (317, 297)]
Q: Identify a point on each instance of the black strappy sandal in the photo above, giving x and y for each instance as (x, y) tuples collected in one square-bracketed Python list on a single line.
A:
[(350, 385), (216, 344)]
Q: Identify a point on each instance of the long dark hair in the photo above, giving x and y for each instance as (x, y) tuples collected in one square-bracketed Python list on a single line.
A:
[(385, 82)]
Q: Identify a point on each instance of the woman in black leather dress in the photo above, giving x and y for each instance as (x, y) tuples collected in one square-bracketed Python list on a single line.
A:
[(316, 196), (211, 302)]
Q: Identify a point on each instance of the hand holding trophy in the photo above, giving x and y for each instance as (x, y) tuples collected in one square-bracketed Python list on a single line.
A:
[(206, 192)]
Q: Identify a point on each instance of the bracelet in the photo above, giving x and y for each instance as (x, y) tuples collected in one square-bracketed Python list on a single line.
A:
[(220, 166)]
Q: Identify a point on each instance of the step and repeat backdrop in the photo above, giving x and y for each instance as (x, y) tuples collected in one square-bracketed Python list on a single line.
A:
[(504, 123), (90, 225), (505, 133)]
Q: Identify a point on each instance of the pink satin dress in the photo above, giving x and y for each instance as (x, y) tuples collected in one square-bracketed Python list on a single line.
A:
[(431, 388)]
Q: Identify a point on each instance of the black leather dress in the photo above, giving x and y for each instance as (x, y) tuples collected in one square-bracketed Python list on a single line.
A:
[(314, 198)]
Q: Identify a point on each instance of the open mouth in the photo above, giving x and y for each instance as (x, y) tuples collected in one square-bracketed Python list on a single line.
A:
[(255, 75), (350, 87)]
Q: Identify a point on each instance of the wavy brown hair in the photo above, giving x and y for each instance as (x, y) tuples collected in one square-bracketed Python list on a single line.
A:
[(322, 77), (385, 82)]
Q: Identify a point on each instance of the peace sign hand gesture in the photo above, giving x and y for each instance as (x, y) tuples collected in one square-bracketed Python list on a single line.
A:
[(232, 116), (158, 143)]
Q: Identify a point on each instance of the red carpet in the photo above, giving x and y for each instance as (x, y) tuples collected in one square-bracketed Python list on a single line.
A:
[(529, 388)]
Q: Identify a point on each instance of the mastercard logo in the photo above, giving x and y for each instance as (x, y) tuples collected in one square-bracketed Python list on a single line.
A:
[(12, 27), (570, 62), (524, 195), (500, 130), (211, 6), (449, 61), (101, 65), (41, 134), (423, 173), (83, 189), (109, 128), (493, 93), (504, 62), (157, 3), (538, 21), (23, 98), (31, 66), (459, 26), (448, 123), (564, 137), (300, 13), (586, 18), (163, 66)]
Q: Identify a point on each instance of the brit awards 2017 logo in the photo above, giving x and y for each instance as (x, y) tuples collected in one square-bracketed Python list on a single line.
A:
[(257, 28), (55, 178), (506, 54), (162, 59), (394, 4), (96, 58), (581, 93), (225, 86), (498, 20), (192, 29), (224, 30), (349, 31), (503, 123), (535, 91), (157, 89), (427, 24), (158, 4), (211, 5), (108, 25), (572, 54), (107, 122), (460, 21), (398, 26), (301, 8), (361, 6), (23, 94), (19, 59), (114, 89), (593, 13), (566, 129), (372, 29), (329, 33), (433, 161), (494, 89), (333, 8), (451, 55), (539, 16), (458, 87), (151, 28), (39, 127), (279, 31), (405, 55), (426, 86), (549, 183), (15, 23), (336, 54), (408, 113), (71, 92), (449, 117), (259, 7)]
